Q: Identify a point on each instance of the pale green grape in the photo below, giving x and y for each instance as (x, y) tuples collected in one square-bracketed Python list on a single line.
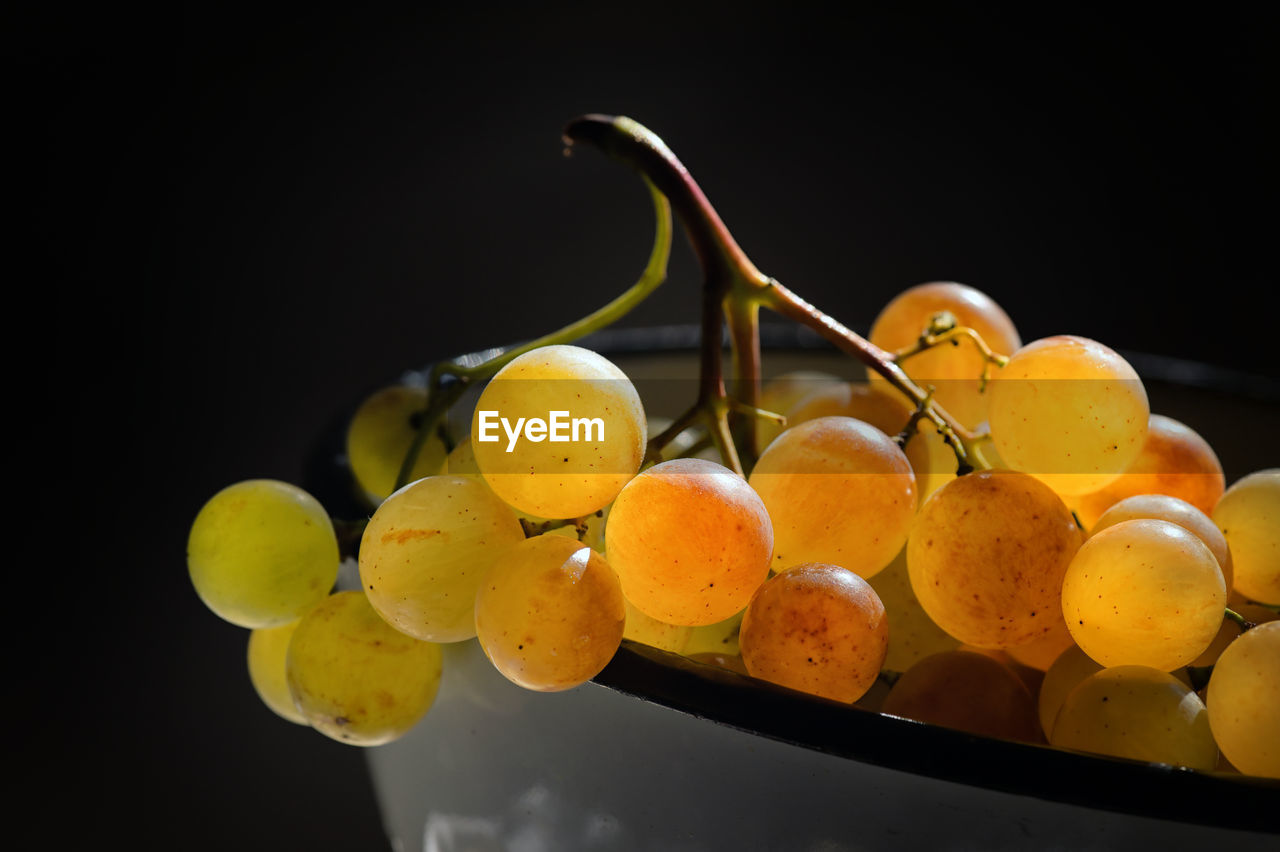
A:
[(1139, 713), (1065, 673), (571, 470), (1146, 593), (426, 549), (268, 649), (913, 634), (1249, 516), (1069, 411), (550, 614), (718, 638), (262, 552), (838, 491), (357, 679), (1244, 701), (379, 436), (648, 630)]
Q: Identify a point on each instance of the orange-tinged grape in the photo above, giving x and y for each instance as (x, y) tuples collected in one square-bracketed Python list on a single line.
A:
[(818, 629), (268, 649), (1041, 653), (648, 630), (426, 549), (1069, 411), (1071, 667), (780, 394), (590, 442), (1249, 516), (1163, 507), (1139, 713), (379, 436), (261, 553), (914, 635), (954, 371), (932, 460), (1244, 701), (1144, 593), (966, 691), (718, 638), (986, 558), (550, 614), (1174, 460), (357, 679), (690, 541), (838, 490)]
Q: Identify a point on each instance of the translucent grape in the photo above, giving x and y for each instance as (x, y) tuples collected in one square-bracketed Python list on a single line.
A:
[(1041, 653), (690, 541), (954, 371), (268, 649), (261, 553), (1249, 516), (379, 436), (1067, 671), (818, 629), (357, 679), (1163, 507), (1174, 460), (605, 432), (550, 614), (426, 549), (966, 691), (1230, 629), (839, 491), (718, 638), (1139, 713), (1146, 593), (1069, 411), (1244, 701), (780, 394), (657, 634), (914, 635), (986, 557)]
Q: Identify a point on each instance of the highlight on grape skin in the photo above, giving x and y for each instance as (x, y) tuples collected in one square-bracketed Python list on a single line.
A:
[(261, 552)]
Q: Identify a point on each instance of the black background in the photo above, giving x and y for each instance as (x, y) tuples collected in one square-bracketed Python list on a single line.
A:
[(231, 226)]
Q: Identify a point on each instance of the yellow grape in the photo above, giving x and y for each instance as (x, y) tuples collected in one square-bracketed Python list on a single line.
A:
[(1230, 630), (1139, 713), (954, 371), (1067, 671), (268, 649), (357, 679), (690, 541), (966, 691), (1244, 701), (550, 614), (532, 469), (986, 557), (648, 630), (1041, 653), (1146, 593), (1249, 516), (379, 436), (262, 552), (838, 490), (818, 629), (1174, 460), (1163, 507), (718, 638), (913, 634), (780, 394), (425, 550), (1069, 411)]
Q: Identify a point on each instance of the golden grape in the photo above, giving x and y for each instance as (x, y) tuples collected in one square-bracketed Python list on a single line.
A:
[(1249, 516), (1244, 701)]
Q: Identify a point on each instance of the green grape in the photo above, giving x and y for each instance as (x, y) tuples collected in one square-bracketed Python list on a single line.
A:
[(1146, 593), (1244, 701), (261, 553), (954, 371), (268, 649), (533, 469), (913, 634), (550, 614), (379, 436), (986, 557), (1139, 713), (425, 550), (1069, 411), (1163, 507), (839, 491), (357, 679), (1174, 460), (648, 630), (690, 541), (968, 691), (1249, 516), (816, 628), (1066, 672), (718, 638)]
